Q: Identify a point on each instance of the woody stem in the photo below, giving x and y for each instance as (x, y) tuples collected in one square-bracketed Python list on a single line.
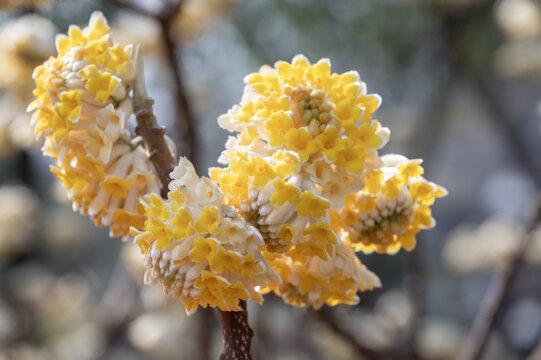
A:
[(237, 334)]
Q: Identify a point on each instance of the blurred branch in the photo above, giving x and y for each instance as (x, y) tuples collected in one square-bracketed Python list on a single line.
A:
[(500, 119), (326, 316), (184, 116), (536, 353), (185, 122), (121, 289), (452, 23), (491, 305)]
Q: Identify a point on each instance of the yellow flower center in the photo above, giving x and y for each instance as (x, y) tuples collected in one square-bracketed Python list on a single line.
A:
[(310, 105)]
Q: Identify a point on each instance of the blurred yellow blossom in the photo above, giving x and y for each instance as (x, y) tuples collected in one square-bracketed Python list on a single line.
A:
[(487, 247), (25, 42), (17, 219), (196, 15), (520, 21), (17, 4)]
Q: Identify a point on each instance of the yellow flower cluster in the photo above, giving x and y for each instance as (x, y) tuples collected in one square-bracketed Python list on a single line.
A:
[(316, 282), (198, 248), (305, 137), (269, 193), (322, 117), (304, 168), (302, 187), (391, 209), (25, 43), (81, 110)]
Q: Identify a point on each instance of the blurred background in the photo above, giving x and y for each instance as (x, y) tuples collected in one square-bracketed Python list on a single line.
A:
[(461, 88)]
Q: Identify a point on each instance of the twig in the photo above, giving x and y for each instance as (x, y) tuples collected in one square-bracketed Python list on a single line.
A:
[(235, 328), (185, 119), (491, 306), (237, 334), (149, 129)]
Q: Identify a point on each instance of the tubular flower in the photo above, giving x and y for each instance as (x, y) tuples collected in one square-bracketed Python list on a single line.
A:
[(81, 110), (269, 193), (391, 209), (305, 137), (198, 248), (318, 282), (305, 109)]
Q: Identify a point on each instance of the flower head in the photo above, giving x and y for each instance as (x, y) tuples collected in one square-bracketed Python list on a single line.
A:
[(81, 109), (310, 135), (317, 282), (17, 219), (306, 109), (391, 209), (198, 248)]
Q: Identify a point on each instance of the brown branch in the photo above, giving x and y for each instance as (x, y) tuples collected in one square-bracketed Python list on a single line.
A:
[(148, 128), (184, 115), (237, 334), (235, 328), (153, 135), (491, 305)]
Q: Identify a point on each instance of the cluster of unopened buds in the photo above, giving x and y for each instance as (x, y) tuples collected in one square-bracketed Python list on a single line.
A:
[(301, 189)]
